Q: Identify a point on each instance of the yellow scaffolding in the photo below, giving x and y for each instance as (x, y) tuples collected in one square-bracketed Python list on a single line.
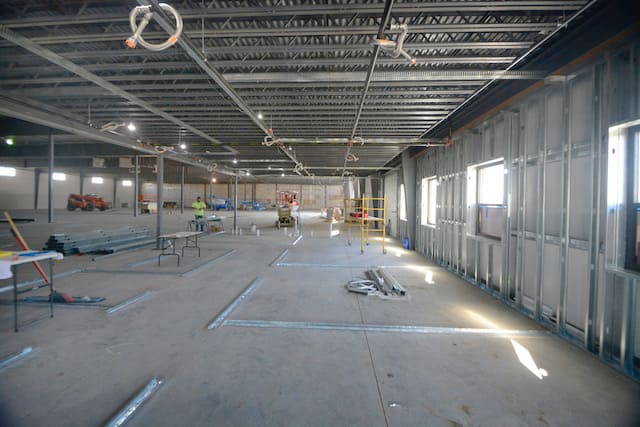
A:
[(351, 206), (367, 220)]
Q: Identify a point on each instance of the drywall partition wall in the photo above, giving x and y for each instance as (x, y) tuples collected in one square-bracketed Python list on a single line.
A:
[(17, 192), (548, 261)]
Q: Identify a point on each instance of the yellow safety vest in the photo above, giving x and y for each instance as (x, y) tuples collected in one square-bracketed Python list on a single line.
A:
[(199, 208)]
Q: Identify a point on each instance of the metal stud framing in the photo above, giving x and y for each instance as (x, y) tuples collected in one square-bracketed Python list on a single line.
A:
[(562, 144)]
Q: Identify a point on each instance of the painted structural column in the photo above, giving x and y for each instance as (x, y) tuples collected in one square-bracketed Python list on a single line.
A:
[(136, 185), (81, 182), (182, 190), (409, 178), (159, 199), (235, 201), (50, 177), (36, 189), (115, 192)]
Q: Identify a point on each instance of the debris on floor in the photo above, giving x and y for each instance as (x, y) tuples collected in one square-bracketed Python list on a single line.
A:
[(61, 297), (378, 282)]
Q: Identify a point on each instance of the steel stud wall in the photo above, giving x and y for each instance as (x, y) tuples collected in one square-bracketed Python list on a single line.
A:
[(550, 262)]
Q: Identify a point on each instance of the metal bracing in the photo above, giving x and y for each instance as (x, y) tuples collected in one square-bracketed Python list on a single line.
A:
[(529, 27), (191, 50), (559, 213), (20, 110), (521, 58), (372, 64), (301, 65), (259, 63), (70, 66), (239, 49), (309, 10)]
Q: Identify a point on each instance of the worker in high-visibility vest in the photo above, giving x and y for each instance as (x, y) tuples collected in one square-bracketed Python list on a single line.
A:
[(198, 210)]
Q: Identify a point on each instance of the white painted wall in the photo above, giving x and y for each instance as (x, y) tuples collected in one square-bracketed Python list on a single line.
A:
[(61, 191), (17, 192), (124, 195)]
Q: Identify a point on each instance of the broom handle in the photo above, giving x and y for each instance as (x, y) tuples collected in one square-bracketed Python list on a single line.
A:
[(24, 246)]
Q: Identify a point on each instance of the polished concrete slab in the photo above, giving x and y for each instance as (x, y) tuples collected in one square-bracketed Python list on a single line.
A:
[(87, 363)]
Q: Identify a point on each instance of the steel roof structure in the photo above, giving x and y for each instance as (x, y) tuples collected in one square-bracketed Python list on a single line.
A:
[(281, 86)]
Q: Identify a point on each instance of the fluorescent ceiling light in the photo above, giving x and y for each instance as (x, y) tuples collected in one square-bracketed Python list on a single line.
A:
[(131, 127), (8, 141)]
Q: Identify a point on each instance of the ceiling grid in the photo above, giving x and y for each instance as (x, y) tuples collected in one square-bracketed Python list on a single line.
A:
[(302, 66)]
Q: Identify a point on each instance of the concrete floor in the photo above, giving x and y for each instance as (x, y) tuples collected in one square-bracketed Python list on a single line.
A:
[(317, 369)]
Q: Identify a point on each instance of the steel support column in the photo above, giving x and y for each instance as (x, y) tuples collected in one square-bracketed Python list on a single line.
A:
[(235, 202), (159, 199), (136, 186), (36, 188), (597, 153), (50, 178), (182, 190), (115, 192), (566, 204), (409, 178)]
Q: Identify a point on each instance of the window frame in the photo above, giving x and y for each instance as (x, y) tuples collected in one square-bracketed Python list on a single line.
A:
[(429, 201), (475, 209), (402, 211), (632, 199)]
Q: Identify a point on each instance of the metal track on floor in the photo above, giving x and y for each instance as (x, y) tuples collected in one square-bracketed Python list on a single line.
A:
[(363, 327)]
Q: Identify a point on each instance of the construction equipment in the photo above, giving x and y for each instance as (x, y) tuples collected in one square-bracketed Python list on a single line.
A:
[(286, 204), (284, 217), (88, 202)]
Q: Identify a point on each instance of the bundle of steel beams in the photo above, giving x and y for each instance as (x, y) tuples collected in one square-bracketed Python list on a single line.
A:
[(100, 241)]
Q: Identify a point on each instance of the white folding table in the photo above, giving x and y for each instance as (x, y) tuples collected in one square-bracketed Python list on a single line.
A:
[(8, 269)]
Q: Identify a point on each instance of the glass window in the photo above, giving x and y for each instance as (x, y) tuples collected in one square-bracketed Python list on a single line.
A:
[(428, 202), (403, 204), (97, 180), (490, 200), (633, 218), (59, 176)]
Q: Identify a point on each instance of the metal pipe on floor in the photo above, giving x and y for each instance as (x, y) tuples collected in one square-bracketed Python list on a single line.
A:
[(222, 317), (130, 408), (15, 357)]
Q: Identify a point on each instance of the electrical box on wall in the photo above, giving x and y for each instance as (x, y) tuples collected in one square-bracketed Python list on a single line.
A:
[(97, 162)]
